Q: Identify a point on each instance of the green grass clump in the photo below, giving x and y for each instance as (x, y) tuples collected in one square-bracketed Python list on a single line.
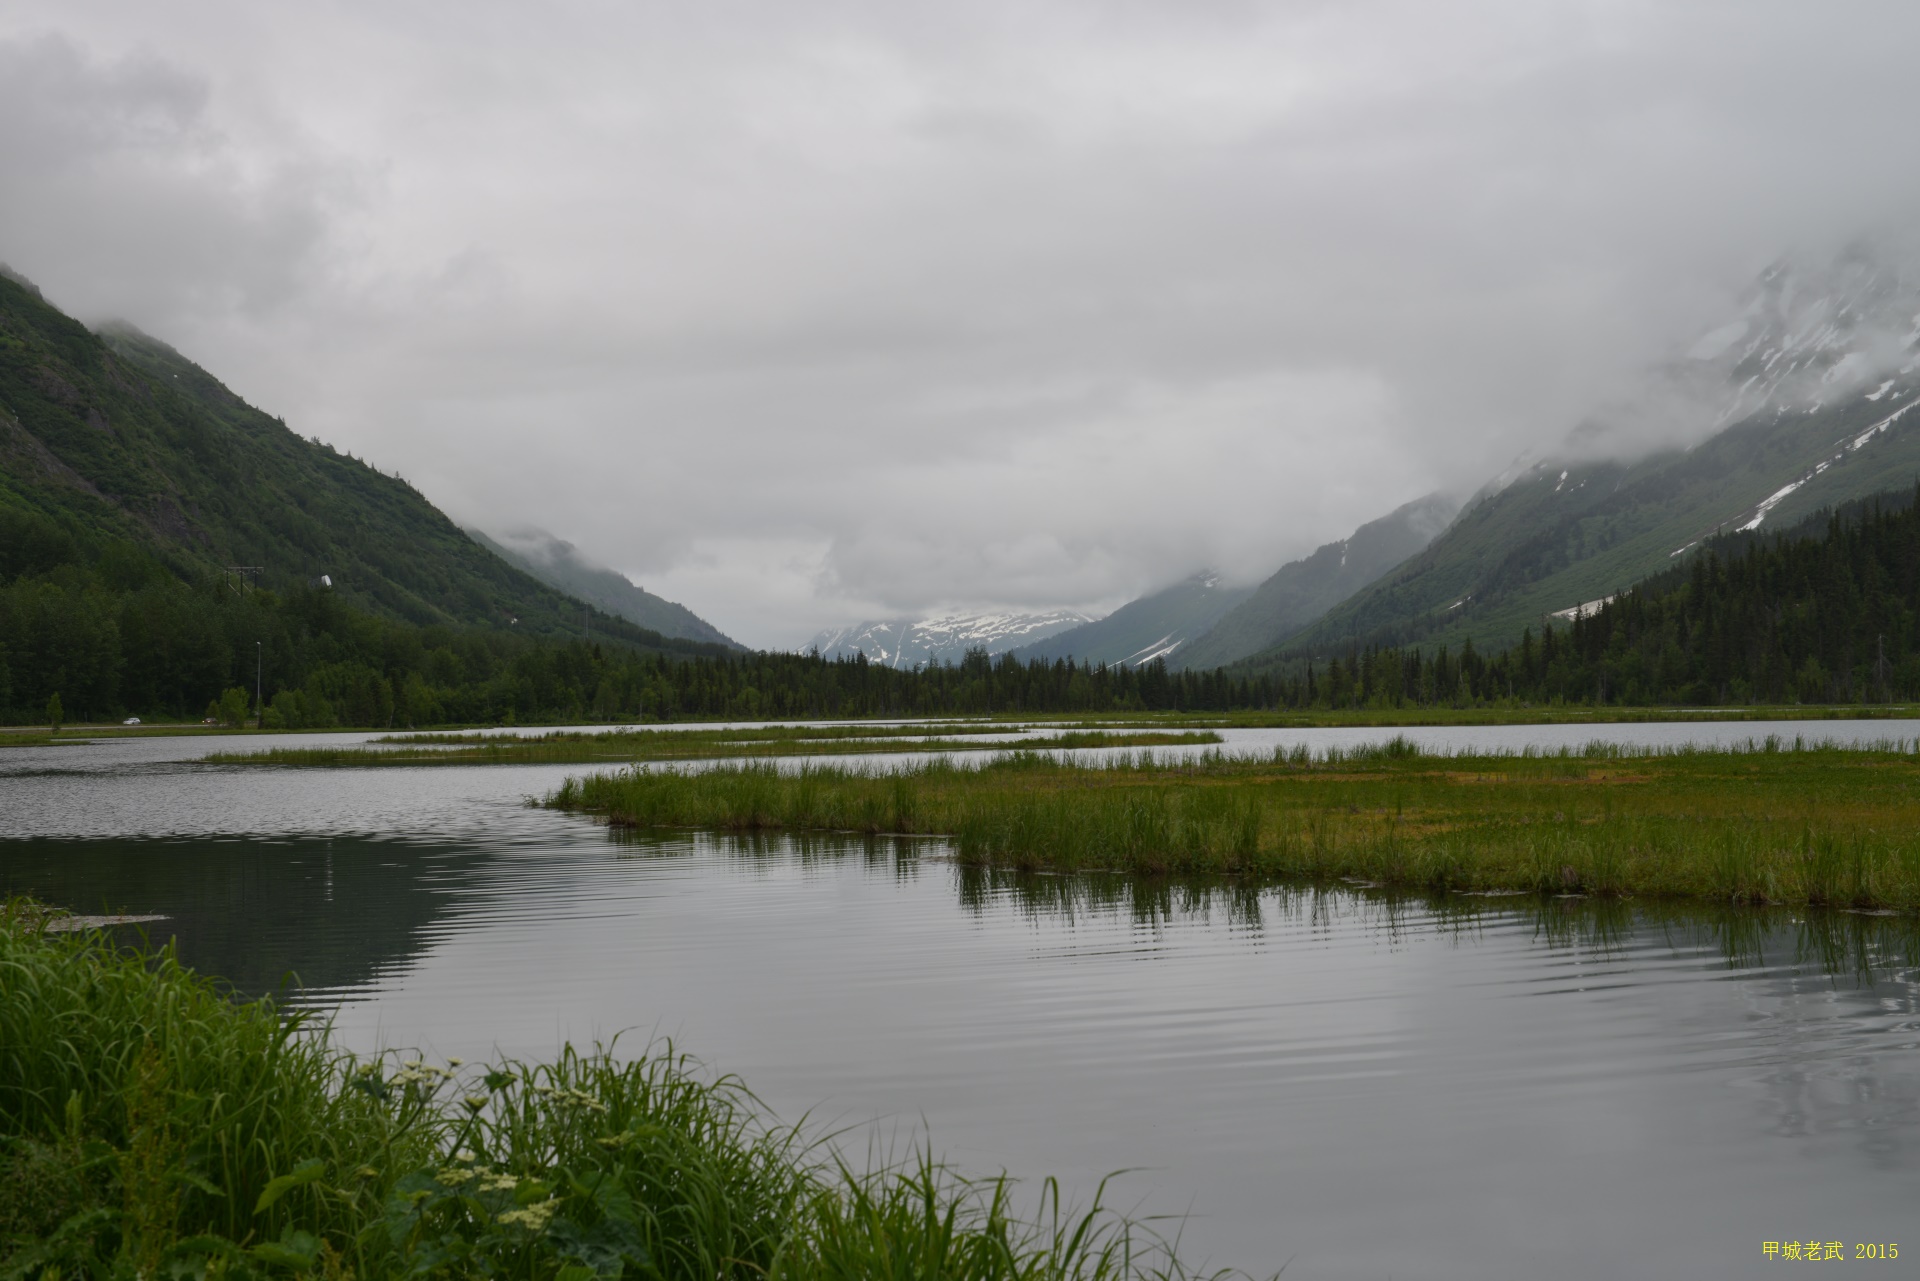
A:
[(150, 1126), (1770, 824), (139, 1109)]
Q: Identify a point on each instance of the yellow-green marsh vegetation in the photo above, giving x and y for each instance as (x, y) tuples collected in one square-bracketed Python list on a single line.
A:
[(565, 747), (1774, 824)]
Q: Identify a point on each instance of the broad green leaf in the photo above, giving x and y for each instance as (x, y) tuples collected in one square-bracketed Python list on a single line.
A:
[(306, 1172), (195, 1181), (604, 1248), (294, 1249)]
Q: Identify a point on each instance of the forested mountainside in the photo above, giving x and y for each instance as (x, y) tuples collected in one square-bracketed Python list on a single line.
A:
[(1154, 626), (158, 535), (560, 566), (1302, 591), (1816, 381), (1827, 612), (115, 437)]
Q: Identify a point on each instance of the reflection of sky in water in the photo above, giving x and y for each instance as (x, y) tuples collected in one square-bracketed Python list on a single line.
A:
[(158, 788), (1368, 1090)]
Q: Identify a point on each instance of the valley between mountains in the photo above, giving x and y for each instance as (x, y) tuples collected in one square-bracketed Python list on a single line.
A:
[(168, 547)]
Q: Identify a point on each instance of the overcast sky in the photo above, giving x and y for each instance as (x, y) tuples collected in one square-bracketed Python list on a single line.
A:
[(804, 312)]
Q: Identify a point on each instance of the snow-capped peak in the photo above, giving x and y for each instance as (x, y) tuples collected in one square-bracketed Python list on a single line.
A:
[(944, 638)]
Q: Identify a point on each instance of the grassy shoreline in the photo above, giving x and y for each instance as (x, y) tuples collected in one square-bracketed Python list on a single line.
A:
[(1311, 718), (1776, 824), (152, 1126), (588, 747)]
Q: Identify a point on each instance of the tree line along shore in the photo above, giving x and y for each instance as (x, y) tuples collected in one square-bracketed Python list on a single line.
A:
[(1749, 620)]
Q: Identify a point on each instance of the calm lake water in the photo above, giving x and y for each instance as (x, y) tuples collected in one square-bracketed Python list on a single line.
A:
[(1364, 1087)]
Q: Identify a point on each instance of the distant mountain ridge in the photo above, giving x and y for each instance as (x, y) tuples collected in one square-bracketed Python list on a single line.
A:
[(114, 439), (906, 642), (560, 565), (1805, 400), (1156, 625), (1300, 592)]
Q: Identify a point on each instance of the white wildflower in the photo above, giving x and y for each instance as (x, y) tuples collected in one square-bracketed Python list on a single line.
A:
[(533, 1217)]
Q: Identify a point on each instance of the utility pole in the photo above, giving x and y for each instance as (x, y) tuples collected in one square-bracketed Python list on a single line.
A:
[(259, 708)]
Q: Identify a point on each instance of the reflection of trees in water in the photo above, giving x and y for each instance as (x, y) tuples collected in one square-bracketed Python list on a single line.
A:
[(335, 912)]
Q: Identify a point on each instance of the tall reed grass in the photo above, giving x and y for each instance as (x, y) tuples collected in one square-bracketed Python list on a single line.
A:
[(152, 1127), (1769, 822)]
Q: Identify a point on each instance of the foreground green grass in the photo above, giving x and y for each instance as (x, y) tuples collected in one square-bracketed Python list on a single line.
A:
[(1771, 825), (151, 1127), (569, 747)]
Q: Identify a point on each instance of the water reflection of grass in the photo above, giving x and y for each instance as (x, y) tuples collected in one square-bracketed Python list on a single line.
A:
[(1836, 941), (594, 747), (150, 1126), (1772, 825)]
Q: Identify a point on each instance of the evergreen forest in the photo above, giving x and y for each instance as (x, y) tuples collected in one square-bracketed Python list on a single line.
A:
[(122, 635), (1818, 614), (1825, 612)]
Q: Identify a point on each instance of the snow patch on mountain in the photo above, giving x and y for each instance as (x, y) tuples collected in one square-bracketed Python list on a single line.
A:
[(1853, 446), (1812, 331), (906, 642), (1585, 609), (1810, 335)]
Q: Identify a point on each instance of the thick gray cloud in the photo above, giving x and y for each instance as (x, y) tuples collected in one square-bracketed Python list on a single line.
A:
[(802, 313)]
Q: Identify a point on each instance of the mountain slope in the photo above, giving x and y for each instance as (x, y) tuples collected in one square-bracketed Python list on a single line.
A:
[(1817, 379), (905, 642), (1819, 612), (560, 566), (1154, 626), (114, 438), (1303, 590)]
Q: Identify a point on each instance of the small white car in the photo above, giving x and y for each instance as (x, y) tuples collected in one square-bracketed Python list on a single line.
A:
[(131, 720)]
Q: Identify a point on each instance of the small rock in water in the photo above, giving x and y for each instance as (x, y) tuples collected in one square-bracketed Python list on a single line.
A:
[(74, 924)]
